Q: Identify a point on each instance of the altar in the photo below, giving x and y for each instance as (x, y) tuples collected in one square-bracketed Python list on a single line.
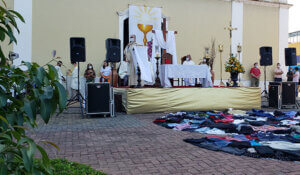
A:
[(169, 71)]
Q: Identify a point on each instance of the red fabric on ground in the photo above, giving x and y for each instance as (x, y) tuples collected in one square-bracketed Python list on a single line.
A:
[(250, 137), (223, 121), (227, 116), (159, 121)]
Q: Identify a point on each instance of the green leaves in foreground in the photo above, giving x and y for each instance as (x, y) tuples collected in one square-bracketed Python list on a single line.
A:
[(65, 167), (24, 96)]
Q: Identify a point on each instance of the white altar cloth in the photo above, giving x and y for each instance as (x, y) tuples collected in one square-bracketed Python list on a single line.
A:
[(169, 71)]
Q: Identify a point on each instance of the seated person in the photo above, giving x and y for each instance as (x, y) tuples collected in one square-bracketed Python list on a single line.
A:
[(105, 72), (89, 74), (124, 72)]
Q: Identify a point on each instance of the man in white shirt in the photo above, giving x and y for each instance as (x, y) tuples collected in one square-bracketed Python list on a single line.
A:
[(189, 81), (61, 77), (278, 73), (296, 79)]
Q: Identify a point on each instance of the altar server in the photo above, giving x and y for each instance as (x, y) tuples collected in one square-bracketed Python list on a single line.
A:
[(189, 81)]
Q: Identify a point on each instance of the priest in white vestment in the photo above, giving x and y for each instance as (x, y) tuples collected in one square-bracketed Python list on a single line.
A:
[(132, 80), (189, 81), (136, 56)]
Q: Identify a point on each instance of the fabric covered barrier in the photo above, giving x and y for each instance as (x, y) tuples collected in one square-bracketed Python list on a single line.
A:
[(123, 93), (150, 100)]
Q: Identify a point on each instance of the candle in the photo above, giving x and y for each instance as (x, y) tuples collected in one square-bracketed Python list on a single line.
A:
[(157, 51)]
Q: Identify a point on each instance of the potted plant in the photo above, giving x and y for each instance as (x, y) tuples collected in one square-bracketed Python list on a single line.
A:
[(234, 67)]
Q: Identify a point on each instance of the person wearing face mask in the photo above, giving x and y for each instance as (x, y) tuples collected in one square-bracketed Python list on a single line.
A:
[(90, 74), (255, 75), (189, 81), (105, 72), (129, 59), (278, 73)]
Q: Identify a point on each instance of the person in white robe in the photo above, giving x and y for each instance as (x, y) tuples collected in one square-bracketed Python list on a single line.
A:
[(129, 58), (189, 81), (61, 77), (203, 81), (74, 81)]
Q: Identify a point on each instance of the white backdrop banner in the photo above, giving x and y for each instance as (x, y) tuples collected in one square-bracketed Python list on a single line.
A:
[(142, 20)]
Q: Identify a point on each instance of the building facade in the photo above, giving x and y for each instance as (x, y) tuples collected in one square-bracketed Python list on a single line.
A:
[(50, 24), (294, 41)]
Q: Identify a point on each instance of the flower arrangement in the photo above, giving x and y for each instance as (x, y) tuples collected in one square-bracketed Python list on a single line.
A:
[(234, 66)]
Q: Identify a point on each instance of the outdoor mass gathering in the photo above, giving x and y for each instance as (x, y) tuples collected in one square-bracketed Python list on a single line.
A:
[(149, 87)]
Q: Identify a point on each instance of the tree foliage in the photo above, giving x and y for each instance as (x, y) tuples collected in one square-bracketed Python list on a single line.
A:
[(24, 96)]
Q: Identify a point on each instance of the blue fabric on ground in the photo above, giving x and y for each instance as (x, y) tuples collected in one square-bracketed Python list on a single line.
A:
[(241, 137), (291, 113), (172, 124), (190, 129), (220, 142), (254, 143), (202, 130), (197, 121), (278, 118), (211, 113)]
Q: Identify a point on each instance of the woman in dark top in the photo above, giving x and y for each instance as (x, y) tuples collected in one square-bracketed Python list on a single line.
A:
[(90, 73), (290, 74)]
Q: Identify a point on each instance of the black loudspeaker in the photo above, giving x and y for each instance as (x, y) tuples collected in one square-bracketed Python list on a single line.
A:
[(113, 50), (290, 56), (266, 58), (77, 48), (274, 92), (98, 98), (288, 93)]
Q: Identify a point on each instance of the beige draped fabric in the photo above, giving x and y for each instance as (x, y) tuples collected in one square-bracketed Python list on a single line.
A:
[(150, 100)]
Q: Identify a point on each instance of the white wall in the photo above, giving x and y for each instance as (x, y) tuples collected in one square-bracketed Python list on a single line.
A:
[(24, 45), (283, 37), (237, 22)]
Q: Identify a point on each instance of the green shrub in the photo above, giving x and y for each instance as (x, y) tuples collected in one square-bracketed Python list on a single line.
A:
[(65, 167)]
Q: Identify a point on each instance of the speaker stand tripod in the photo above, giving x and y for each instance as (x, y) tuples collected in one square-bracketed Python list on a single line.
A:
[(78, 96), (265, 92)]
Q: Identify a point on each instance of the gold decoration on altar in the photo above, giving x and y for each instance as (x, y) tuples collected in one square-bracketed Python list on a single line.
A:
[(239, 50), (221, 49), (207, 56), (145, 29)]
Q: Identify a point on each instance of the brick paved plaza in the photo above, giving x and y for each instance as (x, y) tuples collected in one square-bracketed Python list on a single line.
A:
[(132, 144)]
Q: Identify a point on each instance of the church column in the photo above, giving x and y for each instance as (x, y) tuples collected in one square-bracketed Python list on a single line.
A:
[(283, 36), (123, 15), (24, 46), (237, 19)]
